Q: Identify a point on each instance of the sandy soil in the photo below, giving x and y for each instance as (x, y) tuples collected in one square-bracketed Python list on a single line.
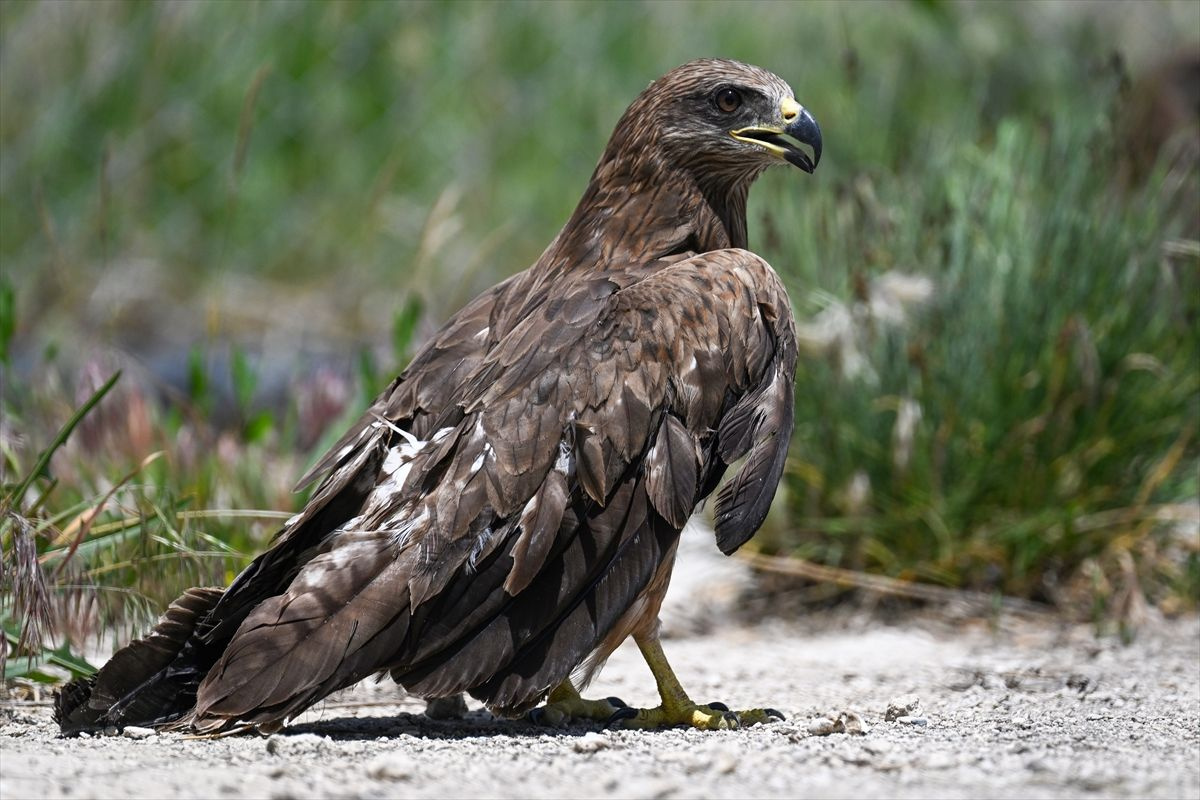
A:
[(1015, 709)]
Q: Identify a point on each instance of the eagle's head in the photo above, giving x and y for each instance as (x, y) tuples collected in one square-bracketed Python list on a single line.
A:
[(722, 118)]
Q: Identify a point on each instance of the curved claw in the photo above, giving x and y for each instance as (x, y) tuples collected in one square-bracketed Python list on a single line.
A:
[(714, 716), (547, 717), (616, 702), (623, 713)]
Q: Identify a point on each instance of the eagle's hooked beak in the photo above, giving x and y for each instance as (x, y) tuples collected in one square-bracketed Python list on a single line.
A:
[(799, 126)]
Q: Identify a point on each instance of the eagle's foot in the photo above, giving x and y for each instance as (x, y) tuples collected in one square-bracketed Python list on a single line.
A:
[(564, 705), (711, 717), (676, 707)]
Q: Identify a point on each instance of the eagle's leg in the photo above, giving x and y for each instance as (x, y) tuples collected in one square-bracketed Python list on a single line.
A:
[(564, 704), (677, 708)]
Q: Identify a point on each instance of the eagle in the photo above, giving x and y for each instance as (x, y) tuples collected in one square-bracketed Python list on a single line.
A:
[(507, 511)]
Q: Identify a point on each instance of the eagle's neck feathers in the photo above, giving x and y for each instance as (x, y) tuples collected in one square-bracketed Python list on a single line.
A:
[(639, 206)]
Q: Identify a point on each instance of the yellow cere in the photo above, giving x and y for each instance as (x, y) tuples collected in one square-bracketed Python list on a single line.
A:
[(790, 109)]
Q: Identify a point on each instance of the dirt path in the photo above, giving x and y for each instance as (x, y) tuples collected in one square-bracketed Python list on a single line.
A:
[(1029, 711)]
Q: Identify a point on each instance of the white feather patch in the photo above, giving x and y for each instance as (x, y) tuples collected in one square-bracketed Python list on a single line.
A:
[(401, 533), (563, 462), (481, 542)]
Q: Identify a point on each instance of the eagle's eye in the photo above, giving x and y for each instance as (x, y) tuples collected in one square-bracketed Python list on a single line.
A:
[(729, 100)]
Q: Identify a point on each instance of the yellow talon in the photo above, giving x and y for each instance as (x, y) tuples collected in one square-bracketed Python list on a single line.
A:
[(677, 708), (564, 704), (702, 717)]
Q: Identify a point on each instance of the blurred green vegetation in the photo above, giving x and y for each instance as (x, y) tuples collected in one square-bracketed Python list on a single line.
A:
[(259, 209)]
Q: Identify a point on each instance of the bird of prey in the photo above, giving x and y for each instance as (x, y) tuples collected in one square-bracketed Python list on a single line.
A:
[(507, 511)]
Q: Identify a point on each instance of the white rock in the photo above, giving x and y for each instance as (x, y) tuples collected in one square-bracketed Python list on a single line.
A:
[(591, 742), (852, 723), (291, 745), (823, 726), (846, 722), (906, 705), (134, 732)]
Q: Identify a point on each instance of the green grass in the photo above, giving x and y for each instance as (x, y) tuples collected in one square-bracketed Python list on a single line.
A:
[(270, 204), (1054, 373)]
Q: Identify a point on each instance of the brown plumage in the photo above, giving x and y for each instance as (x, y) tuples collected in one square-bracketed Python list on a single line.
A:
[(507, 510)]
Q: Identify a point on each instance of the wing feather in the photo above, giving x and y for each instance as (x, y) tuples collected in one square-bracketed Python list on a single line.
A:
[(539, 526), (743, 502), (589, 463), (307, 638), (671, 465)]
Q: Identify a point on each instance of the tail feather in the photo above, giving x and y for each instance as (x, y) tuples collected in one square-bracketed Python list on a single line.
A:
[(324, 628), (154, 681), (134, 687)]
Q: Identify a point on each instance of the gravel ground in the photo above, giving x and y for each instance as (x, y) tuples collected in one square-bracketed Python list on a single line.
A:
[(1017, 708)]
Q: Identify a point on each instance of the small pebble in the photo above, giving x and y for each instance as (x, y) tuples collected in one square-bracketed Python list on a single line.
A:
[(134, 732), (846, 722), (291, 745), (591, 742), (823, 726), (906, 705), (852, 723), (1080, 683)]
